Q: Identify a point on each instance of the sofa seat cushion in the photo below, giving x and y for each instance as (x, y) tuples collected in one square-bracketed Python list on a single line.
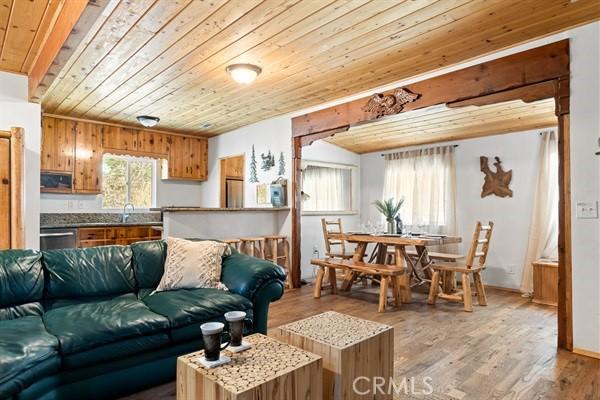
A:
[(186, 309), (90, 324), (115, 351), (27, 353)]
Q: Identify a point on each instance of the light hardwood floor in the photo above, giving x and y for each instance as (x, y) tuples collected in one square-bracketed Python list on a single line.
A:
[(506, 350)]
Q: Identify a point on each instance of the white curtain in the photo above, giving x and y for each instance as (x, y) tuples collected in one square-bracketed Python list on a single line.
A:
[(325, 188), (426, 179), (543, 231)]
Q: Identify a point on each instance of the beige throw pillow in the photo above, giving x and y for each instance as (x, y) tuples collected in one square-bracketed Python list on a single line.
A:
[(193, 265)]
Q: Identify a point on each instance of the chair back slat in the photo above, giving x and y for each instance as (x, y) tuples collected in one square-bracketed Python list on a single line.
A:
[(334, 226), (478, 241)]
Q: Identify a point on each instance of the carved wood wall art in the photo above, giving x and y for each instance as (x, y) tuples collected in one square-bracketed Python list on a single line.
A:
[(495, 182), (380, 105)]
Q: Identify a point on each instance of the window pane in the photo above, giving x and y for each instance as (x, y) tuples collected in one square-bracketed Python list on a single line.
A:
[(328, 188), (114, 182), (140, 183)]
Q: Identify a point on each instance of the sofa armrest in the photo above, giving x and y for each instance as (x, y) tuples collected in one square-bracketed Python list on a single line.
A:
[(258, 280)]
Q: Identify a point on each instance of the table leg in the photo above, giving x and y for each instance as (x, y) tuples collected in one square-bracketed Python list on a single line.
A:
[(404, 279), (449, 282), (397, 289), (425, 261)]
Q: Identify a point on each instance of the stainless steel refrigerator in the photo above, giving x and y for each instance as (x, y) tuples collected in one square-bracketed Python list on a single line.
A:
[(235, 193)]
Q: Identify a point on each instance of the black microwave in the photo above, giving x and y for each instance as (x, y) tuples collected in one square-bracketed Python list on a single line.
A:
[(56, 182)]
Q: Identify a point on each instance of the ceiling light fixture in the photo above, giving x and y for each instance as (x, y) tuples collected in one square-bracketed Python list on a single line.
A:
[(147, 120), (244, 74), (206, 125)]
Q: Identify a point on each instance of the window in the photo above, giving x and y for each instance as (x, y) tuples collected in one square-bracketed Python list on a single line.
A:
[(327, 187), (426, 180), (127, 180)]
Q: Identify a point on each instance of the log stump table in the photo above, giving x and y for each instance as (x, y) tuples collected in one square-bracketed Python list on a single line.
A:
[(269, 370), (351, 348)]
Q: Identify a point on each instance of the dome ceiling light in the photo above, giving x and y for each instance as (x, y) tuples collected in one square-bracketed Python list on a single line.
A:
[(243, 74), (147, 120)]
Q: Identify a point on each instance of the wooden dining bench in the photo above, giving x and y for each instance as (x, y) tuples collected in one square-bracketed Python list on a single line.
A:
[(389, 277)]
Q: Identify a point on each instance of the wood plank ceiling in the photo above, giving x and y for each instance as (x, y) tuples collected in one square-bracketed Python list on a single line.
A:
[(24, 27), (437, 124), (167, 58)]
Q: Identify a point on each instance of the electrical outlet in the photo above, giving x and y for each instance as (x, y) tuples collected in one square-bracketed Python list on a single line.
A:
[(587, 209), (80, 205), (70, 204)]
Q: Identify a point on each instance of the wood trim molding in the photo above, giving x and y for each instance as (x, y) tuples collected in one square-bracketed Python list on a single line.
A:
[(17, 231), (587, 353), (511, 72), (68, 17)]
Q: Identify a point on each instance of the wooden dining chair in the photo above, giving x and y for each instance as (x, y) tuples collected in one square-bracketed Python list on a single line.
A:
[(334, 248), (474, 264)]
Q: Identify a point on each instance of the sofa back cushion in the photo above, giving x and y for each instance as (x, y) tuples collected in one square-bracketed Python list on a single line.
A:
[(94, 271), (149, 262), (21, 283)]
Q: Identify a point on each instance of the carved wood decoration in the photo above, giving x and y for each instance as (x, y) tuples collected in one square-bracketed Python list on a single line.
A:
[(380, 105), (495, 182)]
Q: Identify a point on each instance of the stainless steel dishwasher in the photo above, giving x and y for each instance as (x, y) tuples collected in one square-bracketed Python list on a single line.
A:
[(58, 238)]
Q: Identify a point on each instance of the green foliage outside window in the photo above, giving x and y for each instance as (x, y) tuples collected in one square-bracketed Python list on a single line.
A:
[(127, 180)]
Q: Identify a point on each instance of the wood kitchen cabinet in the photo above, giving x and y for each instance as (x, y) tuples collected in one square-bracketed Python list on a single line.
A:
[(120, 235), (153, 143), (135, 142), (87, 177), (76, 148), (188, 158), (58, 145), (119, 139)]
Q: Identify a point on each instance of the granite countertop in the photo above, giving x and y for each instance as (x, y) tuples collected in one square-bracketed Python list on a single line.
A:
[(98, 224), (81, 220), (217, 209)]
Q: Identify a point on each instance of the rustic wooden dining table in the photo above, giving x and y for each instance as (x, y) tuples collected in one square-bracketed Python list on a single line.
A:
[(415, 269)]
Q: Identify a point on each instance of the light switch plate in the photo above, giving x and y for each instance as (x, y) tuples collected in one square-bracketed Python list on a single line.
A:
[(587, 209)]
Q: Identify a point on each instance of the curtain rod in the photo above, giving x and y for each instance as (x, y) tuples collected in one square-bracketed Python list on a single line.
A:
[(454, 145)]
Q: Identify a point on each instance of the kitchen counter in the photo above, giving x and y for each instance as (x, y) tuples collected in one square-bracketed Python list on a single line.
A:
[(99, 224), (217, 209)]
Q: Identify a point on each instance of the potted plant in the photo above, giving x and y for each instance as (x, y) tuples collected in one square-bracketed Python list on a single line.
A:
[(390, 209)]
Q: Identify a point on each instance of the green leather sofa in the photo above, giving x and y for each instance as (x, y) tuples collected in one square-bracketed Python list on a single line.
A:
[(81, 323)]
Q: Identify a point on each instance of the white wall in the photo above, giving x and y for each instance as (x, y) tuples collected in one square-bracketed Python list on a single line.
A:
[(273, 134), (519, 152), (16, 111), (585, 184), (312, 233)]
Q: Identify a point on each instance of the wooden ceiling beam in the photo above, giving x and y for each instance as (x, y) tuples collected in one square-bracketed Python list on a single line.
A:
[(68, 17), (531, 93), (521, 69)]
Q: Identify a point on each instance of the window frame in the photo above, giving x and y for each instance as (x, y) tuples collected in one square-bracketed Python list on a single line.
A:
[(152, 161), (354, 169)]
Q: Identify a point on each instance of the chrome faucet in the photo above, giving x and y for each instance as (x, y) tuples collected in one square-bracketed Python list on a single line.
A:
[(125, 216)]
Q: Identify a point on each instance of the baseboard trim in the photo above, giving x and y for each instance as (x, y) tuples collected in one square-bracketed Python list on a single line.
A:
[(503, 288), (587, 353)]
